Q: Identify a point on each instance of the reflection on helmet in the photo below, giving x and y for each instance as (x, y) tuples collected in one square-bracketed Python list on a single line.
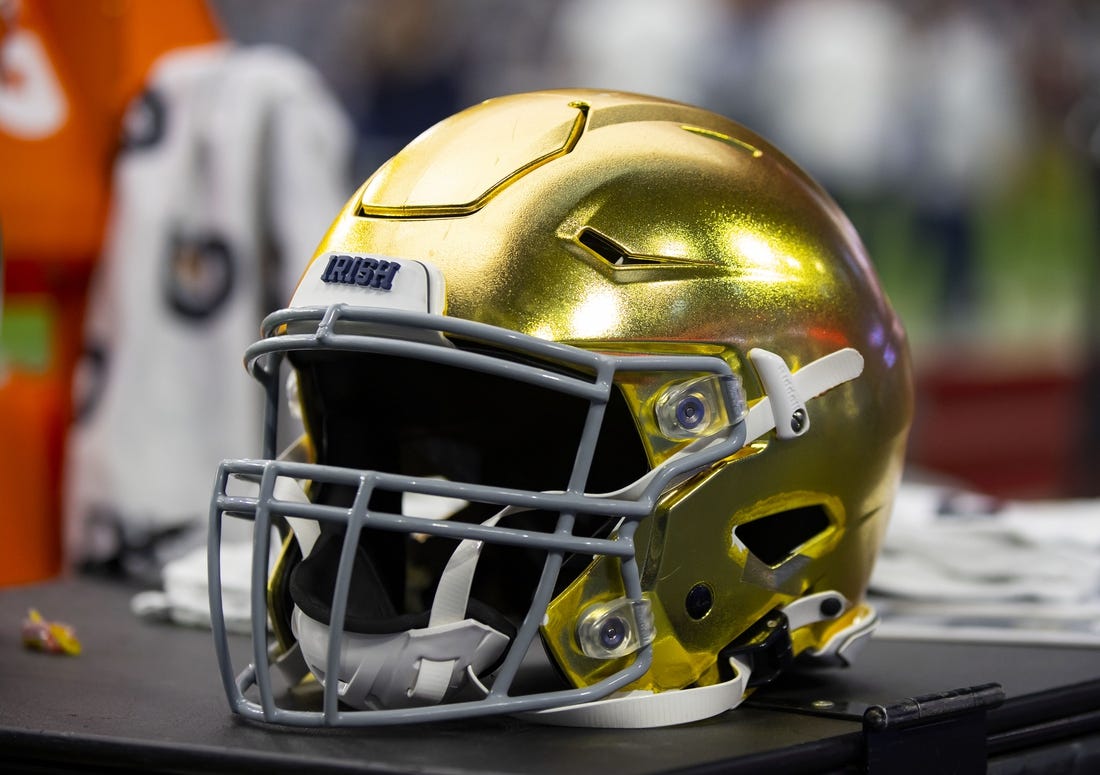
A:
[(603, 412)]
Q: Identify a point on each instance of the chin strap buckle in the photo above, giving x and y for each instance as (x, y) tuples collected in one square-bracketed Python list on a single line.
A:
[(766, 647)]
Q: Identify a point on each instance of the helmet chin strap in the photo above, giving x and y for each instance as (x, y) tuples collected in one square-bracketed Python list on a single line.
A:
[(644, 709)]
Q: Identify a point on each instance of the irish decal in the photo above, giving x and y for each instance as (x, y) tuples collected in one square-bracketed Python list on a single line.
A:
[(363, 271)]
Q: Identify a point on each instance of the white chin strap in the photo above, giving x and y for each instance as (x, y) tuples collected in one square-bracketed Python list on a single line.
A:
[(643, 709)]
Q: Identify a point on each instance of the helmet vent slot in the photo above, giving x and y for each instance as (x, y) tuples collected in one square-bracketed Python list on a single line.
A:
[(776, 537), (611, 252)]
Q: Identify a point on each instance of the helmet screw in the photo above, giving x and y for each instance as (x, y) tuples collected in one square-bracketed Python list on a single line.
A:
[(613, 631), (798, 420), (830, 607)]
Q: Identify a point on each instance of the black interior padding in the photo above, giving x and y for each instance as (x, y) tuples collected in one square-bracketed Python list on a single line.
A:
[(392, 414), (369, 609)]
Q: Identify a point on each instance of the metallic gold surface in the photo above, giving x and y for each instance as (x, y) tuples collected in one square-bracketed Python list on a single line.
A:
[(629, 224), (466, 170)]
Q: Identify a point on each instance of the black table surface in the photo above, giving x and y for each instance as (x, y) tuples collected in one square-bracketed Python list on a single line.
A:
[(148, 696)]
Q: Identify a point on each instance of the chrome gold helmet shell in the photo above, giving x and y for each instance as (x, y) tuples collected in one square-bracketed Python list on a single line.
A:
[(742, 333)]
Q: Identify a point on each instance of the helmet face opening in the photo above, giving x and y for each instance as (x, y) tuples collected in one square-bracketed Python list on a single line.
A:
[(403, 416), (612, 407)]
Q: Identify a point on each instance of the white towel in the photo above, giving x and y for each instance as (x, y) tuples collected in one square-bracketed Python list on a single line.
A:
[(951, 545)]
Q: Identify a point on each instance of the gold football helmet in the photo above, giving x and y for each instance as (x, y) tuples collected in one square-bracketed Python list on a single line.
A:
[(589, 379)]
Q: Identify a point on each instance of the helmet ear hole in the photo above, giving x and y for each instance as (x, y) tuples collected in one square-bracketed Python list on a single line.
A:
[(777, 536)]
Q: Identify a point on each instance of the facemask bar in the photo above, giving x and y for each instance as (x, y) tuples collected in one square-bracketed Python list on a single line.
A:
[(631, 504)]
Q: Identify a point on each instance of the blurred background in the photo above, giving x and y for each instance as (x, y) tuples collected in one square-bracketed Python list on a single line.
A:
[(961, 136)]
